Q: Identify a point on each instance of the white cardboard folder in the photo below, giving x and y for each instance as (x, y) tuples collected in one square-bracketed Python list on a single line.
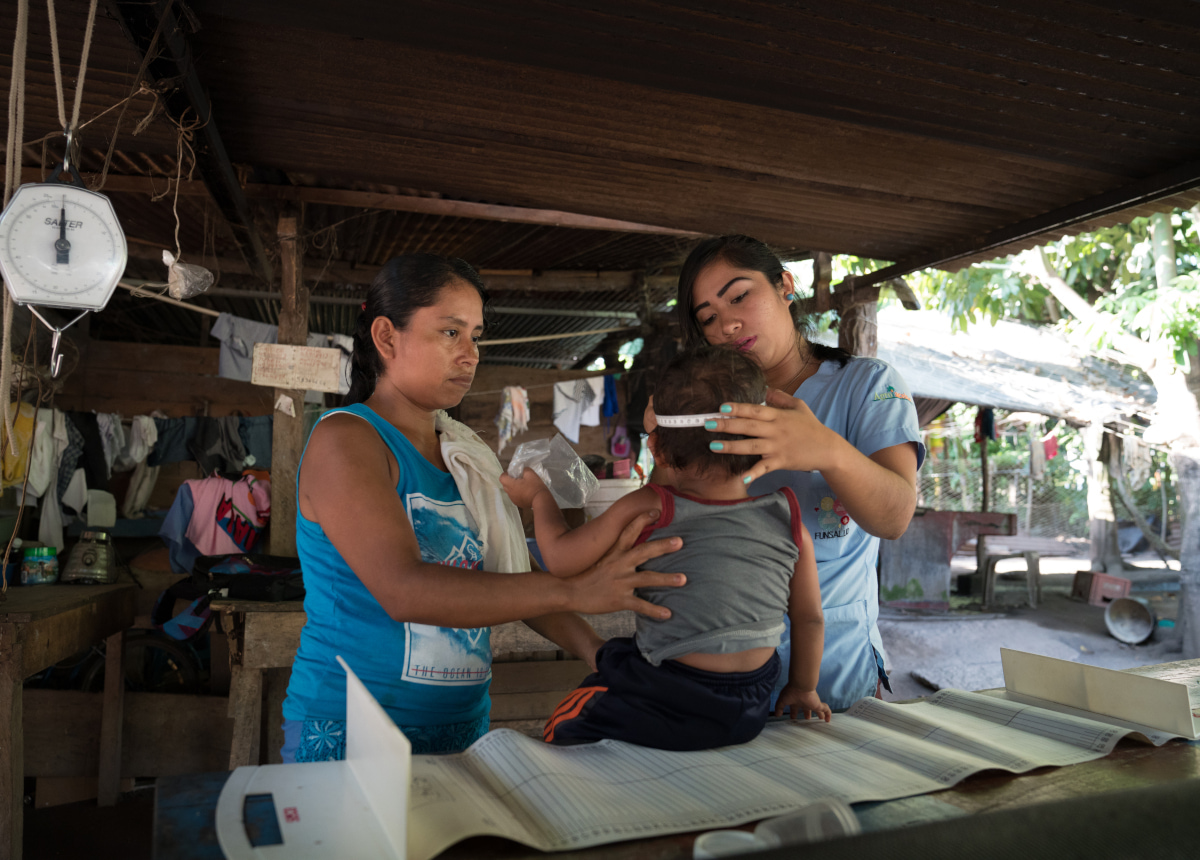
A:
[(357, 808), (1164, 701)]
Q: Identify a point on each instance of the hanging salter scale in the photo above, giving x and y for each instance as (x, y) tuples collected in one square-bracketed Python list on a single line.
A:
[(61, 246)]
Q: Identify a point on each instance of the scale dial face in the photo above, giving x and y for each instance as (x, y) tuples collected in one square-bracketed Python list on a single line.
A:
[(61, 246)]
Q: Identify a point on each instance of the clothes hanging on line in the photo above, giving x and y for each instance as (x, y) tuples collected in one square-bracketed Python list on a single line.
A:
[(985, 424), (41, 465), (231, 441), (1051, 447), (255, 433), (180, 550), (141, 485), (112, 438), (237, 337), (93, 461), (612, 404), (71, 456), (513, 418), (15, 456), (74, 500), (139, 442), (217, 447), (591, 412), (228, 516), (577, 403), (50, 523), (174, 436)]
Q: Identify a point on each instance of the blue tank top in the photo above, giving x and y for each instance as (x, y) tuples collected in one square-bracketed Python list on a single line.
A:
[(422, 675)]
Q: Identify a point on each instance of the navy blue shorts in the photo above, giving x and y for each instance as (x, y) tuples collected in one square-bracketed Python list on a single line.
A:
[(668, 707)]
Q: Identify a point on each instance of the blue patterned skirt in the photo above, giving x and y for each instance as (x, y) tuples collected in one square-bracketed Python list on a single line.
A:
[(325, 740)]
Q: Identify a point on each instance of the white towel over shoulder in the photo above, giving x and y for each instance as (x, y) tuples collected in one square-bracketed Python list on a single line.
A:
[(476, 473)]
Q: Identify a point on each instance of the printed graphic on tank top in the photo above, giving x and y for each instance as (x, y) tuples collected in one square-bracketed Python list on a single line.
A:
[(445, 656)]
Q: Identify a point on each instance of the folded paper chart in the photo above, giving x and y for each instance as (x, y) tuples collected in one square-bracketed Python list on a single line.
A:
[(562, 798), (559, 798), (1160, 702)]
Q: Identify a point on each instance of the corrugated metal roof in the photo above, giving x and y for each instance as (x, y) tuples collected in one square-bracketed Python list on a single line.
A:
[(1020, 368)]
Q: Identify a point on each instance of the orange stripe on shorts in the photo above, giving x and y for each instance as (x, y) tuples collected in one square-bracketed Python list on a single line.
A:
[(569, 709)]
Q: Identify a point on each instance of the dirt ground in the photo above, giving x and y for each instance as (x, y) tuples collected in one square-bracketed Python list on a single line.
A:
[(961, 649)]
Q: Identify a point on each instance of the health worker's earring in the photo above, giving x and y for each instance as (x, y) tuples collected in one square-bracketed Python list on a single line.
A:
[(791, 297)]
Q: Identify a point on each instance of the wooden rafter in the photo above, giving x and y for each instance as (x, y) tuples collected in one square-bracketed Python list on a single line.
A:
[(154, 27), (152, 185)]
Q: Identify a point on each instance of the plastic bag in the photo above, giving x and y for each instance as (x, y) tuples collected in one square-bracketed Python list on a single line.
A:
[(556, 463), (185, 280)]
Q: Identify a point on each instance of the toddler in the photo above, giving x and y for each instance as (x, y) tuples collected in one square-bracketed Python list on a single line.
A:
[(702, 678)]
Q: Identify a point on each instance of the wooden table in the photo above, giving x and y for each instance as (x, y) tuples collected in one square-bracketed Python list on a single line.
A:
[(185, 829), (263, 639), (39, 626), (914, 570)]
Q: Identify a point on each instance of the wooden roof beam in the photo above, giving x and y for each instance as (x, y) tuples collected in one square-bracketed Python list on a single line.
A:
[(1181, 178), (152, 185), (497, 280), (455, 209), (153, 27)]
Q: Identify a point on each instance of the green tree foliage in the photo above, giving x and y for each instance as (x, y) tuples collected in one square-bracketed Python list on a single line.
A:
[(1112, 268)]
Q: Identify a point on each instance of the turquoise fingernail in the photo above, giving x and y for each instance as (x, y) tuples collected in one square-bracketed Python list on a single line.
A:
[(747, 479), (726, 408), (710, 425), (716, 446)]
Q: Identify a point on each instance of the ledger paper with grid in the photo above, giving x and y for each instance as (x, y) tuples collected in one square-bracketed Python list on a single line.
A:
[(558, 798)]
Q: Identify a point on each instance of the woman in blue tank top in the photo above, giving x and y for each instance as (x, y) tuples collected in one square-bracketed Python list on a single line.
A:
[(392, 561), (839, 430)]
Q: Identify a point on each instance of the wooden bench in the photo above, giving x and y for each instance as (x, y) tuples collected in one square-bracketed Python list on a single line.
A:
[(991, 549), (263, 638)]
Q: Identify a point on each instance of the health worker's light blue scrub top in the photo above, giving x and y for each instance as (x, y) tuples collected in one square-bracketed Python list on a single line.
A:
[(870, 406)]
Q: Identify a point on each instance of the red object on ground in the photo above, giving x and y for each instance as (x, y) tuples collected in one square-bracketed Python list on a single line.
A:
[(1099, 589)]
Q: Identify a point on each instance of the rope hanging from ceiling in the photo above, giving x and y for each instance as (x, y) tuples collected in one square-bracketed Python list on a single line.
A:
[(12, 178)]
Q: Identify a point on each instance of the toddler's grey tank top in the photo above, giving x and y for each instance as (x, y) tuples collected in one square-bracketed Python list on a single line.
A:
[(739, 557)]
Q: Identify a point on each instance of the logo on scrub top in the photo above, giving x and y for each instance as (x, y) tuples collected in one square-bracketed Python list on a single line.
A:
[(832, 520), (890, 393)]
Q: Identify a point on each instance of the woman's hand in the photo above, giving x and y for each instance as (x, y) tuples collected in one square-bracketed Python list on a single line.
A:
[(525, 489), (879, 492), (608, 585), (785, 433)]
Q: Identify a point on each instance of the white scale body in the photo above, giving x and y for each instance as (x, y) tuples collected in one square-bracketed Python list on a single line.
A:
[(61, 246)]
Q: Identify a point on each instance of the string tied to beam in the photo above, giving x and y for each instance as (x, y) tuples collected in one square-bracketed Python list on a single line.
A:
[(70, 127)]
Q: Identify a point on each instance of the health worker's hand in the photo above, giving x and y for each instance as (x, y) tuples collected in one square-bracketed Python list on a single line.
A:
[(523, 490), (608, 585), (785, 433), (807, 702)]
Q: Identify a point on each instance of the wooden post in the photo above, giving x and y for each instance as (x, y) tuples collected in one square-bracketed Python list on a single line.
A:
[(12, 746), (245, 705), (287, 437), (822, 276), (112, 720), (1102, 519), (858, 330)]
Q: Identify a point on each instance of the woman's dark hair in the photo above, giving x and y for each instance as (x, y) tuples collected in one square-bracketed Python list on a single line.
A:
[(697, 381), (742, 252), (403, 286)]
